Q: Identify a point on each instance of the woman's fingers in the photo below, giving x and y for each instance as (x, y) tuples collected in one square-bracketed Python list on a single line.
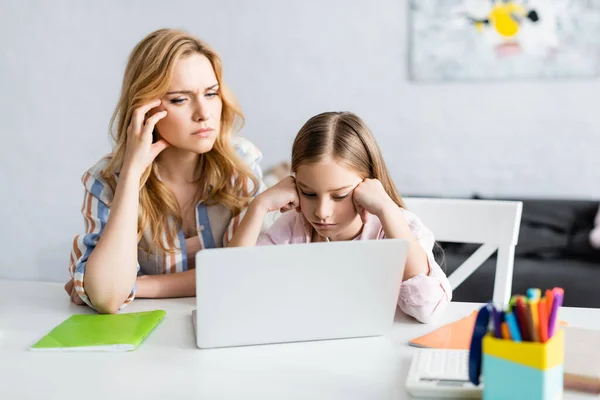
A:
[(139, 116), (151, 122), (140, 151), (157, 148), (75, 298), (69, 286), (72, 292)]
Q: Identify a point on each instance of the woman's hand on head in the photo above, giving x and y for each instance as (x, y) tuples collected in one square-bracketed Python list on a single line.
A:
[(283, 196), (140, 152), (370, 197)]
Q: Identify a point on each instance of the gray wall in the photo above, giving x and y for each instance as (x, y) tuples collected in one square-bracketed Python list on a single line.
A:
[(61, 65)]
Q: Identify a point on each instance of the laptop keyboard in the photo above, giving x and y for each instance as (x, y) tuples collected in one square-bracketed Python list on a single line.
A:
[(437, 364)]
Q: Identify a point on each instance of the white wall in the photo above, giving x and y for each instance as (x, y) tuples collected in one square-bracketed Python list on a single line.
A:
[(61, 64)]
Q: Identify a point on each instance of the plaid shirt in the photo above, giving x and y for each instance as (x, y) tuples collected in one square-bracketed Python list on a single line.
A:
[(214, 224)]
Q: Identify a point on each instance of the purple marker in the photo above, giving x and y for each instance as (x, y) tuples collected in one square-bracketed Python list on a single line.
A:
[(497, 323), (559, 294)]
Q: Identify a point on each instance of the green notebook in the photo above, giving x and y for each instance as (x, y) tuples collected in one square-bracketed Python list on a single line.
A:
[(101, 332)]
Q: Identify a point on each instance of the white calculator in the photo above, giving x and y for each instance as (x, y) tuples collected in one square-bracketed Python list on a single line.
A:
[(437, 373)]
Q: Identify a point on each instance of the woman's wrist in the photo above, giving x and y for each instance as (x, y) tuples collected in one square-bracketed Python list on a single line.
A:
[(128, 171), (145, 286)]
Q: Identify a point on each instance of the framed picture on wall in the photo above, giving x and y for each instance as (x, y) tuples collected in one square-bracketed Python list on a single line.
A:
[(461, 40)]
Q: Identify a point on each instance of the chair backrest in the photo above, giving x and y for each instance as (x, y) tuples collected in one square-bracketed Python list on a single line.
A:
[(493, 223)]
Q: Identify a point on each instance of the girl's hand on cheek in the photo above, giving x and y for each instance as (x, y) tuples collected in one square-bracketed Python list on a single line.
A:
[(283, 196), (370, 197)]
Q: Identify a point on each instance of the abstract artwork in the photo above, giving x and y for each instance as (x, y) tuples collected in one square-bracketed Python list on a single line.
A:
[(458, 40)]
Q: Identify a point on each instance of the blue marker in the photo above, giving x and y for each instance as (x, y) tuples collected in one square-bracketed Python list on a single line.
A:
[(480, 329), (534, 294), (513, 327)]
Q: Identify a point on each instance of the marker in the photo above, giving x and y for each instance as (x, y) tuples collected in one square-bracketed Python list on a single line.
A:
[(512, 302), (520, 311), (533, 318), (505, 331), (559, 294), (513, 327), (549, 300), (543, 322), (534, 294), (481, 329), (497, 322)]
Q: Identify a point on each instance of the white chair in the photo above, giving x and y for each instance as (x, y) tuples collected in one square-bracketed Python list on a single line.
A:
[(493, 223)]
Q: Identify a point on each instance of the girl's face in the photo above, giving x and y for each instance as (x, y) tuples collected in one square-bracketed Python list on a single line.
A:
[(193, 106), (326, 198)]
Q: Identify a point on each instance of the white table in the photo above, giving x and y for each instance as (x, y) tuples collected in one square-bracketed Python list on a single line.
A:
[(168, 364)]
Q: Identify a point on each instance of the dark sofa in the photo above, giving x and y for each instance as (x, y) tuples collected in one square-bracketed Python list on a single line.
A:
[(553, 250)]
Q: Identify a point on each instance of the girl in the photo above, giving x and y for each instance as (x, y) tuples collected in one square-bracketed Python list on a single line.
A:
[(172, 184), (343, 191)]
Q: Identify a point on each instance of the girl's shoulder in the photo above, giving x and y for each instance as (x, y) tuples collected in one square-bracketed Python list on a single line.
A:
[(94, 181), (246, 150)]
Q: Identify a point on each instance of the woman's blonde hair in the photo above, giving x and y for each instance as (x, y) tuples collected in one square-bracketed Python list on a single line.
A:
[(345, 138), (224, 176)]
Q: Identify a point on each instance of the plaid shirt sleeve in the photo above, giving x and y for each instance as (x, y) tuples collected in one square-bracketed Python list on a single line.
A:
[(95, 211)]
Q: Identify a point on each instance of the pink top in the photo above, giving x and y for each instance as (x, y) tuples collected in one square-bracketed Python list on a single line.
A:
[(423, 297)]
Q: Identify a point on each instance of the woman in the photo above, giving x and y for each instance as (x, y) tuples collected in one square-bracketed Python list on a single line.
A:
[(176, 182)]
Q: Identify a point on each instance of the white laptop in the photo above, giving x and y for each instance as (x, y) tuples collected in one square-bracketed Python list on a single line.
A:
[(300, 292)]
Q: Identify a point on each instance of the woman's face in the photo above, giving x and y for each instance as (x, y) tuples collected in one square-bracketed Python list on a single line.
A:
[(193, 106)]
